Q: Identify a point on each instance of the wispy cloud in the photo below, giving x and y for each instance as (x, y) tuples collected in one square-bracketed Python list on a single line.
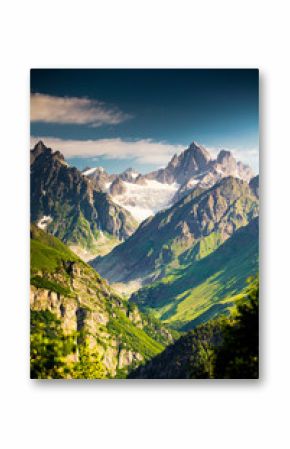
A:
[(74, 110), (144, 151)]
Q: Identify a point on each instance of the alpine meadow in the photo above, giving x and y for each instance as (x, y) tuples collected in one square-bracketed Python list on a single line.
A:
[(144, 234)]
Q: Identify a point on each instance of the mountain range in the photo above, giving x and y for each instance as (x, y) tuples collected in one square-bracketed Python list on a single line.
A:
[(144, 195), (123, 264)]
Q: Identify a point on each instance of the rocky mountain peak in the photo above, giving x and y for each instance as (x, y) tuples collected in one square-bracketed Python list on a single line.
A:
[(199, 150), (224, 156), (191, 161), (129, 170), (199, 154), (129, 175), (117, 187), (62, 193), (39, 148), (58, 155)]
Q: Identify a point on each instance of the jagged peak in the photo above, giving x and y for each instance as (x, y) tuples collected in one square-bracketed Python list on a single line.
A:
[(224, 154), (198, 151), (39, 147), (38, 150)]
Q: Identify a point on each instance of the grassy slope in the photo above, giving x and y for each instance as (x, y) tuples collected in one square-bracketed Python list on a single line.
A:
[(47, 252), (200, 290), (48, 255)]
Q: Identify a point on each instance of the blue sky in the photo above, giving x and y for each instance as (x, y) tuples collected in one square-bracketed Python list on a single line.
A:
[(140, 118)]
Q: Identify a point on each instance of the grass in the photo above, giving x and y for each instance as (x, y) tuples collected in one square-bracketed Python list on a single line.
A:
[(47, 252), (45, 258), (47, 284), (134, 338)]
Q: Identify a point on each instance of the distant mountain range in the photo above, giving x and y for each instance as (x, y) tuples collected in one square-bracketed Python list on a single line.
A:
[(144, 195)]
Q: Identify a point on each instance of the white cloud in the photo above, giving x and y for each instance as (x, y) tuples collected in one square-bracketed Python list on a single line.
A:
[(145, 151), (73, 110)]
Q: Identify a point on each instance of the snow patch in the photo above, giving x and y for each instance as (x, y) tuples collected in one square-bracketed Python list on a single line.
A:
[(192, 182), (90, 171), (107, 186), (44, 222), (143, 201)]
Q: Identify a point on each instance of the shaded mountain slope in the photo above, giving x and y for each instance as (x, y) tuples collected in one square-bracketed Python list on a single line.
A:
[(201, 289), (88, 310), (69, 205)]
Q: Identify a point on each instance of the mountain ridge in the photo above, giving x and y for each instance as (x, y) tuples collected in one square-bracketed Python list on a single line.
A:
[(71, 206), (202, 217)]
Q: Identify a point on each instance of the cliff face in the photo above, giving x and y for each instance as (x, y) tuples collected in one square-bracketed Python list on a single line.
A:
[(85, 305), (76, 315)]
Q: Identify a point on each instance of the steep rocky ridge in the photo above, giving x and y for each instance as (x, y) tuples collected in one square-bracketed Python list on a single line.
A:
[(71, 206)]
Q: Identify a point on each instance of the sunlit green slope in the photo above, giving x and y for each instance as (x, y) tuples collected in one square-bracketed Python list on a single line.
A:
[(199, 290)]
